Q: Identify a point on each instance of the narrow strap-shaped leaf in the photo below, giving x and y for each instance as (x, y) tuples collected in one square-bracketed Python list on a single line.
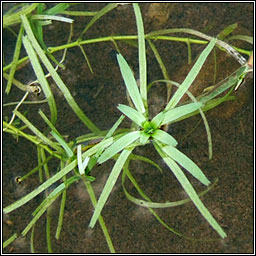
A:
[(41, 78), (119, 145), (142, 53), (178, 112), (134, 115), (63, 143), (164, 138), (157, 120), (98, 147), (130, 83), (97, 16), (187, 163), (109, 185), (66, 93), (39, 134), (14, 18), (193, 195), (191, 76), (41, 188), (144, 137), (15, 60)]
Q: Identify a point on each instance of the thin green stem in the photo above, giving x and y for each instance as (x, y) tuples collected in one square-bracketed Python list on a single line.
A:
[(101, 221)]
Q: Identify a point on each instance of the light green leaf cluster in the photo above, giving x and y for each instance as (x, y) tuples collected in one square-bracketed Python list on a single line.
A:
[(119, 145), (123, 143), (164, 143)]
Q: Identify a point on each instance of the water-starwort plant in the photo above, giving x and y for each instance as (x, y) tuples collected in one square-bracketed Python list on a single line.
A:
[(163, 142), (77, 157)]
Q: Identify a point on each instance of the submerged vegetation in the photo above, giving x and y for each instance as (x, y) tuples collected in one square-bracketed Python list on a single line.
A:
[(77, 158)]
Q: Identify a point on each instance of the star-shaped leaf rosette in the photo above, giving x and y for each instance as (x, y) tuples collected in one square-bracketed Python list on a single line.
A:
[(150, 130)]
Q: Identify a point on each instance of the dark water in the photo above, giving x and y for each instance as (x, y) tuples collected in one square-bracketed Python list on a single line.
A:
[(134, 229)]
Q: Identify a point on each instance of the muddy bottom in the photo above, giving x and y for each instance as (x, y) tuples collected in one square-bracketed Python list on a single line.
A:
[(132, 228)]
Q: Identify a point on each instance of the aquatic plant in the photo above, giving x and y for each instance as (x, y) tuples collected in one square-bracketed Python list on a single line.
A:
[(78, 160)]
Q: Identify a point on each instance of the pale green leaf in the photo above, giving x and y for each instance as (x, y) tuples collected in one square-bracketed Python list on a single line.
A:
[(66, 93), (164, 138), (134, 115), (144, 137), (142, 53), (130, 83), (41, 188), (63, 143), (157, 120), (118, 145), (41, 77), (187, 163), (99, 147), (191, 76), (193, 195), (109, 185), (178, 112)]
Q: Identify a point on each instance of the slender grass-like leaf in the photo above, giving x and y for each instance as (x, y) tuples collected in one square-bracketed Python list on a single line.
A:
[(48, 122), (59, 189), (11, 19), (81, 164), (101, 220), (97, 16), (62, 204), (15, 60), (144, 137), (193, 195), (57, 135), (162, 67), (157, 120), (164, 137), (13, 130), (142, 54), (226, 31), (41, 78), (57, 9), (248, 39), (114, 127), (128, 173), (134, 115), (37, 132), (221, 44), (61, 214), (187, 163), (191, 76), (57, 79), (109, 185), (32, 247), (130, 83), (178, 112), (63, 143), (99, 147), (146, 160), (150, 204), (10, 240), (42, 210), (48, 230), (224, 84), (51, 17), (181, 177), (41, 188), (119, 145)]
